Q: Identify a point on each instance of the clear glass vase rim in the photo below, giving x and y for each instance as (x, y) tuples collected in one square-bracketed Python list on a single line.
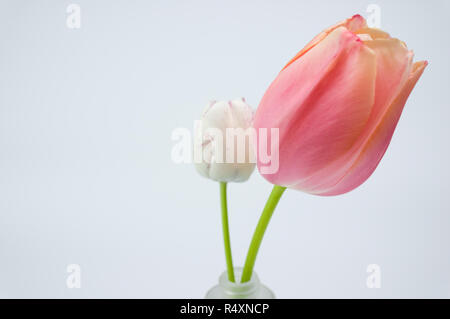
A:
[(237, 287)]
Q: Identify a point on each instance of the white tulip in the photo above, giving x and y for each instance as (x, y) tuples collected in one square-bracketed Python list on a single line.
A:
[(225, 140)]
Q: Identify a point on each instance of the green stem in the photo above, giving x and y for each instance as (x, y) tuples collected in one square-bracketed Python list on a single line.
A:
[(226, 231), (258, 235)]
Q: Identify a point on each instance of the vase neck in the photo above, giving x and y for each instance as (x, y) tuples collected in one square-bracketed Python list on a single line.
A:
[(238, 289)]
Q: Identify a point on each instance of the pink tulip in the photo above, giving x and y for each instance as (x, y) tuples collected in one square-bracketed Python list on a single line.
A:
[(336, 104)]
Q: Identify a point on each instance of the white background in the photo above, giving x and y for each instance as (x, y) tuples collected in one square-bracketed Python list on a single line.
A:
[(86, 176)]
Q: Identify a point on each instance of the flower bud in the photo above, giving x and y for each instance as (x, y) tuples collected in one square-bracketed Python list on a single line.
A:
[(224, 139)]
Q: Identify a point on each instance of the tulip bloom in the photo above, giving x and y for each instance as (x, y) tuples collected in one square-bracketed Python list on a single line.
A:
[(336, 104), (215, 144)]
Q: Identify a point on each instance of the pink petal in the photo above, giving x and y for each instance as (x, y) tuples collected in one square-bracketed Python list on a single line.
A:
[(376, 145), (394, 63), (352, 24), (327, 101)]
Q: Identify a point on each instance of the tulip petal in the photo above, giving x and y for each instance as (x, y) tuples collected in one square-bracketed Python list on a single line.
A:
[(377, 144), (394, 62), (352, 24), (320, 128), (374, 33)]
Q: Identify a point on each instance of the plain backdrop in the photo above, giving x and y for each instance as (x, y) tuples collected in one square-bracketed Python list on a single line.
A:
[(86, 175)]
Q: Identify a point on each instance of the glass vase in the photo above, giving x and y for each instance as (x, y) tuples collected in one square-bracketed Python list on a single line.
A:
[(252, 289)]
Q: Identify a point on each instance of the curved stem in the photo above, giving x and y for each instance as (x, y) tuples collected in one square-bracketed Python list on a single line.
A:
[(258, 235), (226, 231)]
